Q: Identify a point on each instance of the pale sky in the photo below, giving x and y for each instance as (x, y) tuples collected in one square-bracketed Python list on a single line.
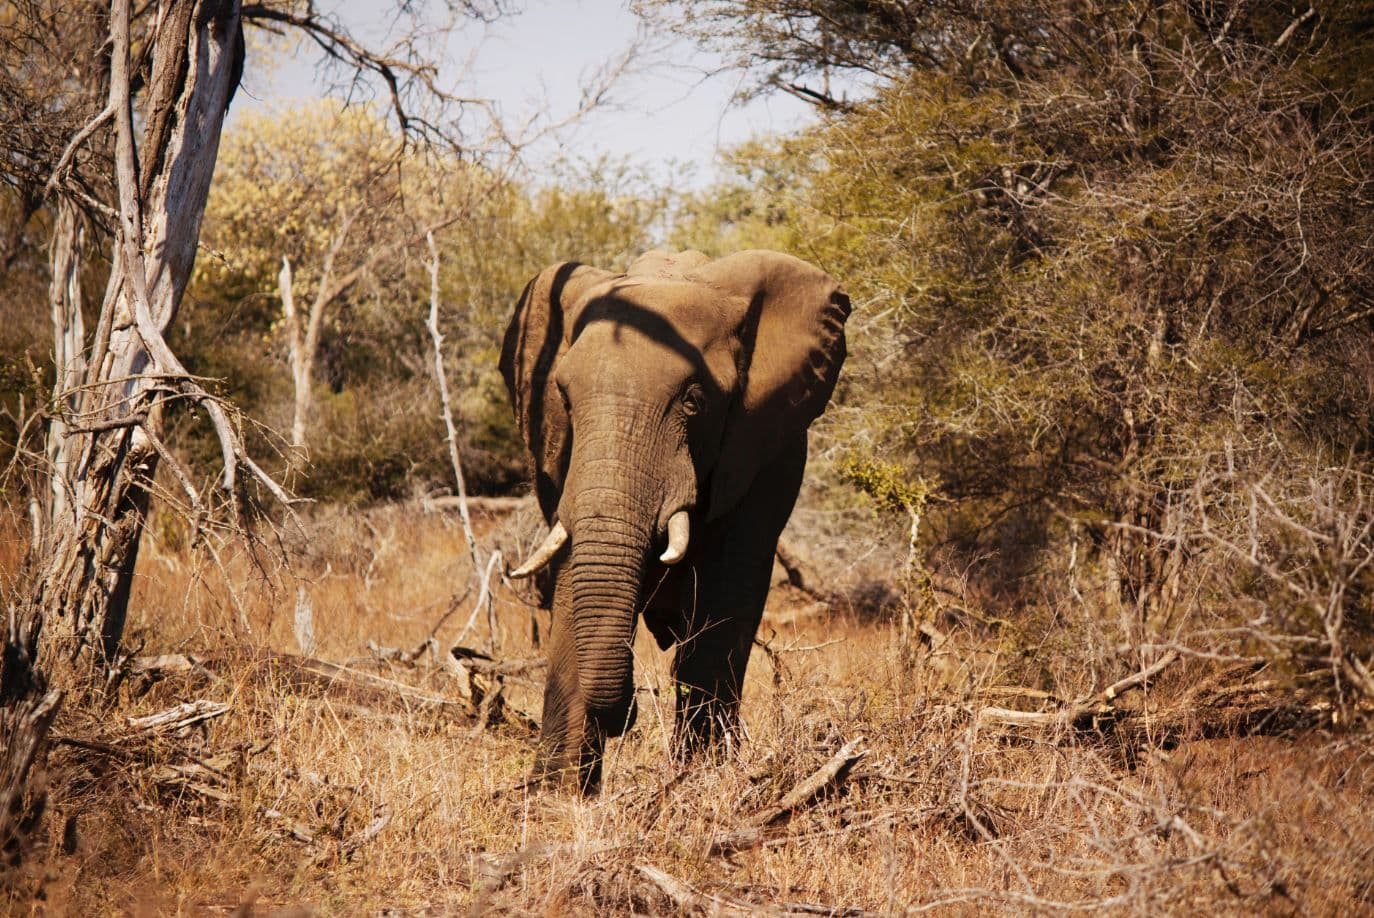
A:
[(667, 110)]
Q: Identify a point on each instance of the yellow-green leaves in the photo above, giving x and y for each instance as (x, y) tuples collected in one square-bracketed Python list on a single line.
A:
[(887, 483)]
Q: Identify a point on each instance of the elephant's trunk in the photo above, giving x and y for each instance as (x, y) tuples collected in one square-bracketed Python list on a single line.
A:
[(606, 567), (611, 508)]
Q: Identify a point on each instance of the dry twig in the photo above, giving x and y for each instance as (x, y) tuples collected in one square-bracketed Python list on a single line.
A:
[(826, 778)]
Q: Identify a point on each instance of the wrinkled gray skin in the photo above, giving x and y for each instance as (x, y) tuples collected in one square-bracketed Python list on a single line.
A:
[(684, 384)]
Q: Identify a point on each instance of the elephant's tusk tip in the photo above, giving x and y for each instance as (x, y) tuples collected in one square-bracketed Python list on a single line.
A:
[(679, 533), (557, 537)]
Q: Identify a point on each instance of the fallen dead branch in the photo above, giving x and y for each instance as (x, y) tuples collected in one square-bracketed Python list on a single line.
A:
[(493, 506), (1097, 706), (479, 683), (483, 663), (307, 674), (206, 778), (158, 751), (180, 718), (335, 679), (687, 898), (483, 679), (292, 828), (173, 723), (826, 778), (211, 785), (350, 846), (492, 872), (1217, 706)]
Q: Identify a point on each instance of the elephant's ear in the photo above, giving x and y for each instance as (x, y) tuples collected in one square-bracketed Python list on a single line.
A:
[(794, 346), (535, 341)]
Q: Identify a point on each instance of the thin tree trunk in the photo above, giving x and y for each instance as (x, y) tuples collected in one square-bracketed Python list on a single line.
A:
[(300, 364), (436, 338), (69, 359), (88, 571), (303, 343)]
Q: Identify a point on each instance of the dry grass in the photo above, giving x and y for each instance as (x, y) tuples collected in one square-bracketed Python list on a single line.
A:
[(940, 814)]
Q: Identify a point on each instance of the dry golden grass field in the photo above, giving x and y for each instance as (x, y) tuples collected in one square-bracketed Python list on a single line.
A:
[(305, 789)]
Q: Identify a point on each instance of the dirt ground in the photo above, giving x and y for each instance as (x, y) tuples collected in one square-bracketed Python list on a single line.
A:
[(296, 788)]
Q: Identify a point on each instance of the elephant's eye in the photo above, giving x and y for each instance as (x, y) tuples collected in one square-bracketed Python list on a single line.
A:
[(693, 401)]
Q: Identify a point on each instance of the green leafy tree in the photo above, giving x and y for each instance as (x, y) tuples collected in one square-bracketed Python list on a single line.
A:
[(1112, 268)]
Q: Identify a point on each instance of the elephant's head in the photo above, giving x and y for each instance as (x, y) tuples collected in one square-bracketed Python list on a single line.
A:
[(649, 401)]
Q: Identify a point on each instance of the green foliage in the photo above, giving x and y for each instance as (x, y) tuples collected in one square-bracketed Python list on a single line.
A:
[(297, 183), (1090, 256), (886, 483)]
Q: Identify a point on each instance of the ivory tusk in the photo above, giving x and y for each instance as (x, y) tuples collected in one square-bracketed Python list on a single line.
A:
[(543, 554), (679, 530)]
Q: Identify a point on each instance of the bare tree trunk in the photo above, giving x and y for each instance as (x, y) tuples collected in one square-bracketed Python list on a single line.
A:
[(303, 343), (301, 363), (114, 443), (69, 359), (436, 337)]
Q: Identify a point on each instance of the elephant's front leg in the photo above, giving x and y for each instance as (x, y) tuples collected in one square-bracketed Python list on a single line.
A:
[(708, 672), (733, 575), (570, 746)]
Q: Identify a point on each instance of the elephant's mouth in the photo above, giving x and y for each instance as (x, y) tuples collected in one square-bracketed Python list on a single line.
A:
[(679, 538)]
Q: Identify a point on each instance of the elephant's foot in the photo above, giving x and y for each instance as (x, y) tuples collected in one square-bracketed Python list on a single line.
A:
[(560, 765), (705, 726)]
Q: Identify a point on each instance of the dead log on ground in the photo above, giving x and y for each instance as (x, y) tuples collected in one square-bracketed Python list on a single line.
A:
[(688, 899), (1079, 712), (479, 683), (180, 718), (335, 679), (207, 778)]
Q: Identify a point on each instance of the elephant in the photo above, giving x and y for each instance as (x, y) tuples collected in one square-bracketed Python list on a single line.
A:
[(666, 411)]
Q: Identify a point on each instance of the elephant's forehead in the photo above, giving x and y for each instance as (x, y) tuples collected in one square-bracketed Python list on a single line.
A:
[(612, 348), (678, 315), (655, 334)]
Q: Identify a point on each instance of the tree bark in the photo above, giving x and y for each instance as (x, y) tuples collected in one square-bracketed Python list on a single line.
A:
[(69, 359), (114, 443)]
